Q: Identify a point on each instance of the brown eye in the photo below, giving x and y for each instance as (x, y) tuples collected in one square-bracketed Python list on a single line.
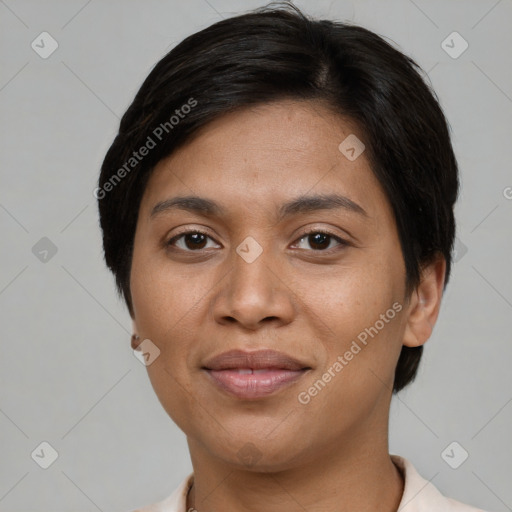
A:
[(321, 240), (191, 241)]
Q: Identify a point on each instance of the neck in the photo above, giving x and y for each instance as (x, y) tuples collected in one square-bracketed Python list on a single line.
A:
[(339, 481)]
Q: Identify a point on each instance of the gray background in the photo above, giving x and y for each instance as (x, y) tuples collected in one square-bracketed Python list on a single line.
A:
[(67, 373)]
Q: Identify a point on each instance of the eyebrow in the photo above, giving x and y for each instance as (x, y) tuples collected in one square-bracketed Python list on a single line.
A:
[(300, 205)]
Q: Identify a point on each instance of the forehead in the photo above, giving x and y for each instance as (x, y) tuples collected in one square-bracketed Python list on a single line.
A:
[(263, 155), (287, 131)]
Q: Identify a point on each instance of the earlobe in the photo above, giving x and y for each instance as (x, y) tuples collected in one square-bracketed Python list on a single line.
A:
[(425, 303), (135, 341)]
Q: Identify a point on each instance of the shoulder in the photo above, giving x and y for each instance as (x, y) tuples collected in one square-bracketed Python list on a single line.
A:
[(420, 495)]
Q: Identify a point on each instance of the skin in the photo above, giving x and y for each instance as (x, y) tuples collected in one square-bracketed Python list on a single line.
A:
[(330, 454)]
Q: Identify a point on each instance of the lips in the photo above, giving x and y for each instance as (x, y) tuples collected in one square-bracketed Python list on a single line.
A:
[(254, 375), (261, 359)]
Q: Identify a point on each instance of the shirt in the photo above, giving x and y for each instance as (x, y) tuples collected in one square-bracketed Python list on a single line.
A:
[(419, 495)]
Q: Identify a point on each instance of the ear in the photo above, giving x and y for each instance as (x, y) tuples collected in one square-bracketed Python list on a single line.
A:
[(424, 304), (135, 342)]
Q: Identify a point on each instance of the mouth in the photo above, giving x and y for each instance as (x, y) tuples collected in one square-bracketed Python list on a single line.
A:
[(254, 375), (248, 384)]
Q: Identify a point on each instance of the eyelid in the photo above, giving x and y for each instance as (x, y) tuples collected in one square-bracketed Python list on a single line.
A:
[(342, 242), (305, 232), (325, 231), (186, 231)]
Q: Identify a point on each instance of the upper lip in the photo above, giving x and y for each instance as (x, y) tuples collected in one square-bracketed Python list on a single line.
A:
[(259, 359)]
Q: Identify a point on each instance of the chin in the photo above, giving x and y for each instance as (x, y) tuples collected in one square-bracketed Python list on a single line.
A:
[(259, 454)]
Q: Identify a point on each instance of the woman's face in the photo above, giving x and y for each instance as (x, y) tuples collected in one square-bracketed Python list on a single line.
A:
[(257, 281)]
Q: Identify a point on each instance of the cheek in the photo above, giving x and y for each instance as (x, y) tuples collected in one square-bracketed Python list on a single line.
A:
[(160, 297), (169, 308), (363, 314), (163, 307), (353, 298)]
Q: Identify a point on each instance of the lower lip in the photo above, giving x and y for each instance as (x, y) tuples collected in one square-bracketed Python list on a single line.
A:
[(254, 385)]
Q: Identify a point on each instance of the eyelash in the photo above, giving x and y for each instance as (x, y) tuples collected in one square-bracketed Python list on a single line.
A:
[(341, 242)]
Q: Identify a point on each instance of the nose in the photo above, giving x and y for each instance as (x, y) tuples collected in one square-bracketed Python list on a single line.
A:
[(254, 293)]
